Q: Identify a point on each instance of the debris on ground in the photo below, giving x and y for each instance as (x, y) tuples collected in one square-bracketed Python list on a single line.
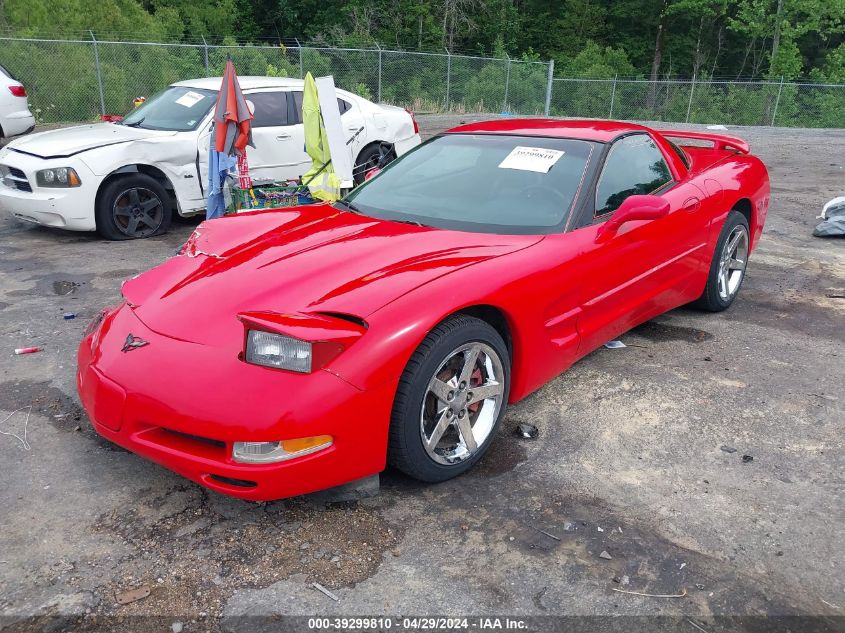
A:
[(27, 350), (727, 449), (653, 595), (322, 589), (700, 628), (833, 219), (527, 431), (746, 459), (176, 627), (549, 534), (615, 345), (600, 528), (67, 316), (605, 555), (133, 595), (836, 294), (716, 127)]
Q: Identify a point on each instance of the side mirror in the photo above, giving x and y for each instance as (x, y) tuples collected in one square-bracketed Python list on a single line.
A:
[(633, 208)]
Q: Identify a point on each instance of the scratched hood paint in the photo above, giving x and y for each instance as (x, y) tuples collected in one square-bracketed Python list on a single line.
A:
[(300, 260)]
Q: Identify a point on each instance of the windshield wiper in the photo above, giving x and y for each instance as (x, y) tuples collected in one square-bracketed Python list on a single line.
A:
[(414, 222), (349, 206), (135, 123)]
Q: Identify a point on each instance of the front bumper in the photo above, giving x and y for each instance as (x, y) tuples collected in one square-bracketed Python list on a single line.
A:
[(71, 208), (183, 405)]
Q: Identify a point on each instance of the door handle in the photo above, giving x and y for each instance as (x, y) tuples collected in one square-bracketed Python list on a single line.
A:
[(283, 137), (692, 204)]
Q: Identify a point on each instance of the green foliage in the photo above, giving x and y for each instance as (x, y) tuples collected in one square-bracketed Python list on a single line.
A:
[(491, 42)]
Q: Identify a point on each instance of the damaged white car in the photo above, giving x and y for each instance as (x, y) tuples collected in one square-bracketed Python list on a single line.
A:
[(126, 180)]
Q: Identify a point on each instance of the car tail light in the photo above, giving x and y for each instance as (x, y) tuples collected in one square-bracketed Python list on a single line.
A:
[(18, 91), (414, 121)]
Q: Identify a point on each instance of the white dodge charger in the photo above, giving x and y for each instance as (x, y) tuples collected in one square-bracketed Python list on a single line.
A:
[(126, 180)]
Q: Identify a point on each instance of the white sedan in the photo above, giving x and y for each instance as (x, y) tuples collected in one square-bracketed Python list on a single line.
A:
[(15, 117), (126, 179)]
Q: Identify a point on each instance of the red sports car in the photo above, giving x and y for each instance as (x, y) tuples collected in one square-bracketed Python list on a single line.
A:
[(286, 351)]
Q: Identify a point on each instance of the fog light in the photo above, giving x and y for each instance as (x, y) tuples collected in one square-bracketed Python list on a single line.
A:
[(269, 452)]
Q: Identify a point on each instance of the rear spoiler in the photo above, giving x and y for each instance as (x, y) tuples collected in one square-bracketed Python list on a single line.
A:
[(720, 141)]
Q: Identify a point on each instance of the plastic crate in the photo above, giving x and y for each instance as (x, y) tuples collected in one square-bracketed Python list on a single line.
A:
[(270, 197)]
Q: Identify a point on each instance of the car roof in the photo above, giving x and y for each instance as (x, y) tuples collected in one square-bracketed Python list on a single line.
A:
[(247, 83), (585, 129)]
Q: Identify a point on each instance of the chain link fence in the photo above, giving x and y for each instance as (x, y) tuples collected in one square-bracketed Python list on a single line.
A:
[(713, 102), (79, 80)]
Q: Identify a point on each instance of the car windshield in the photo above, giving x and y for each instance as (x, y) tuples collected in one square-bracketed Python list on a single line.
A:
[(479, 182), (178, 108)]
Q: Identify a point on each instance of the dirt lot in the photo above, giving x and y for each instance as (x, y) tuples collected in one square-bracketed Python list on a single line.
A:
[(635, 457)]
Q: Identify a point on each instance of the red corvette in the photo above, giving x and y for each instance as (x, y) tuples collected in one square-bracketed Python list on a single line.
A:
[(286, 351)]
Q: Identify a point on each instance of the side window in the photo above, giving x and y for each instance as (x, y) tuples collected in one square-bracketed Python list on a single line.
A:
[(342, 105), (271, 108), (634, 165)]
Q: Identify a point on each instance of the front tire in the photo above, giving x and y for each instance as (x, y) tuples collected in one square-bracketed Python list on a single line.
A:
[(132, 207), (727, 270), (450, 401)]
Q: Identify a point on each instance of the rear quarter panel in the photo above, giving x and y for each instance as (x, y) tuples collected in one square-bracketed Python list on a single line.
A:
[(741, 177)]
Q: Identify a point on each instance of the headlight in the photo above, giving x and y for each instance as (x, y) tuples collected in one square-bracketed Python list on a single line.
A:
[(58, 177), (268, 452), (275, 350)]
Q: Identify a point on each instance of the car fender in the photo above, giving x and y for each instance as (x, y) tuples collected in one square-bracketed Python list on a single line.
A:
[(511, 284), (175, 157)]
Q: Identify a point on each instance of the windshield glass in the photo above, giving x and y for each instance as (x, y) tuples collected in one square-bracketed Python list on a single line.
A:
[(178, 108), (481, 183)]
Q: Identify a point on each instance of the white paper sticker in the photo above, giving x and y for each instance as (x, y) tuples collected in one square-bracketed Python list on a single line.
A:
[(537, 159), (190, 99)]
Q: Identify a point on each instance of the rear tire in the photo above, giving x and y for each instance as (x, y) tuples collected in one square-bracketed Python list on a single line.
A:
[(376, 155), (727, 269), (450, 400), (131, 207)]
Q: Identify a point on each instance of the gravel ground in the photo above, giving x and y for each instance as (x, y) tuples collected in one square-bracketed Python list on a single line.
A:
[(635, 458)]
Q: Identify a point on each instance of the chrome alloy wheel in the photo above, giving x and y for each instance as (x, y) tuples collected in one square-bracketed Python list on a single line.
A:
[(462, 403), (732, 263)]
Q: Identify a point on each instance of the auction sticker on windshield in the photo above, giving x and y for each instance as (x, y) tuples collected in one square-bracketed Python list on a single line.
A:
[(536, 159), (190, 99)]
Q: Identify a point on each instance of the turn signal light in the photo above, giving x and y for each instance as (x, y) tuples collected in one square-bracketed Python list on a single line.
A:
[(270, 452)]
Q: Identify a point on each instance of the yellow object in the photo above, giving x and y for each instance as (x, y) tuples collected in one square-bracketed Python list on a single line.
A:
[(306, 443), (321, 179)]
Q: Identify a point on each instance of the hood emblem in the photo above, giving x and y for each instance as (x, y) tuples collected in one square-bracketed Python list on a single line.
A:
[(133, 342)]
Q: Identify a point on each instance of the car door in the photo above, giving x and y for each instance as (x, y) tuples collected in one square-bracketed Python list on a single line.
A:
[(278, 152), (645, 268), (351, 119)]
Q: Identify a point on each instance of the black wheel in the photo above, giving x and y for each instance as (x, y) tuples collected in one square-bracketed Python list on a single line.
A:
[(132, 207), (451, 398), (727, 270), (377, 155)]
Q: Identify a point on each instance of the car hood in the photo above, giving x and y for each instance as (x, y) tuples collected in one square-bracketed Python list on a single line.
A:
[(300, 260), (73, 140)]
